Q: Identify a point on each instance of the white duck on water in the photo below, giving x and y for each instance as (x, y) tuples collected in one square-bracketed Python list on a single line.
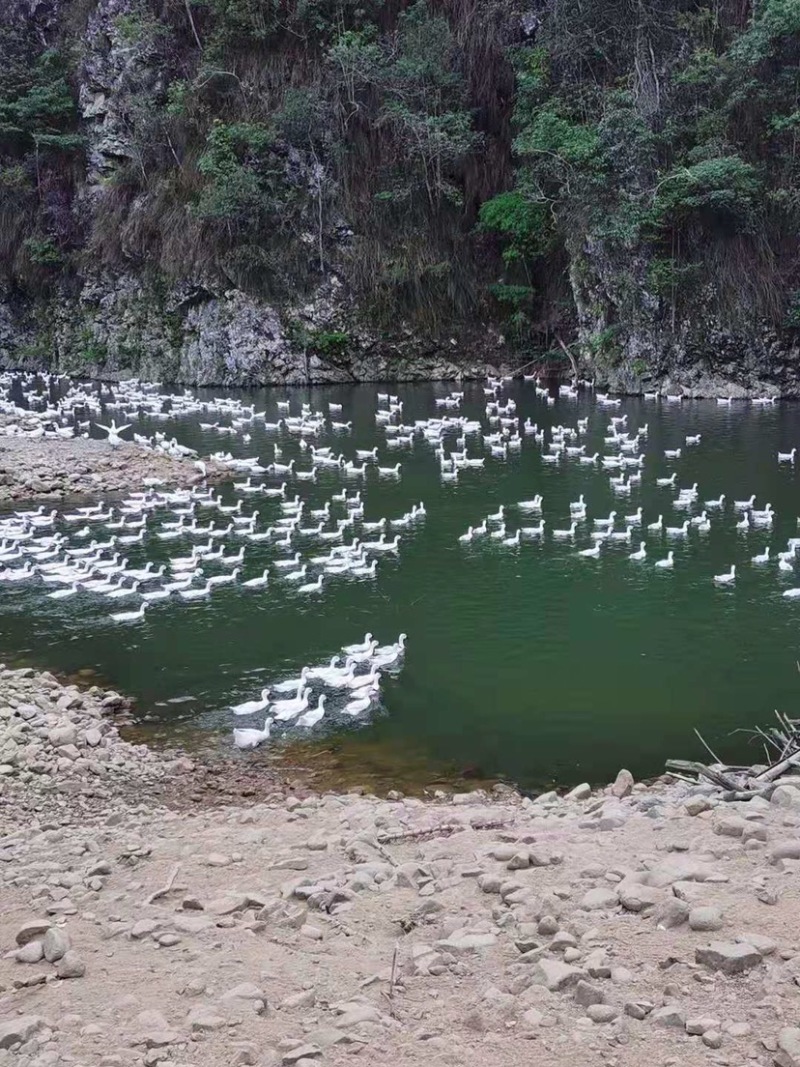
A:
[(250, 707)]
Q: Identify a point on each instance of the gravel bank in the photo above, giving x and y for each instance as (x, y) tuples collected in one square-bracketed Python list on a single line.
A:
[(634, 925), (53, 469)]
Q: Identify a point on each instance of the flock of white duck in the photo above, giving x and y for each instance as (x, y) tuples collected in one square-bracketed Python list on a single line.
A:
[(623, 453), (85, 551), (357, 681)]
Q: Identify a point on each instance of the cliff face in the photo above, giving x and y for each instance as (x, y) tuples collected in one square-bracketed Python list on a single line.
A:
[(242, 192), (144, 278)]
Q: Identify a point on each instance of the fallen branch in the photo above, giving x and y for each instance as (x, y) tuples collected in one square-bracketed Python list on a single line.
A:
[(159, 893), (440, 831)]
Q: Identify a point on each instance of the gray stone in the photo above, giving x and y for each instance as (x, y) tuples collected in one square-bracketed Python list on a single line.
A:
[(788, 1053), (466, 942), (636, 897), (670, 913), (229, 904), (30, 931), (63, 735), (705, 919), (245, 991), (623, 784), (305, 999), (730, 826), (204, 1019), (700, 1023), (639, 1009), (765, 945), (697, 805), (302, 1052), (33, 952), (599, 899), (739, 1029), (71, 966), (602, 1013), (785, 796), (669, 1016), (555, 975), (712, 1039), (55, 944), (520, 861), (143, 928), (586, 994), (17, 1031), (580, 792), (728, 957)]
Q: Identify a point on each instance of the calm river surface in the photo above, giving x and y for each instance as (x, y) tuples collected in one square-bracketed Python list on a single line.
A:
[(528, 662)]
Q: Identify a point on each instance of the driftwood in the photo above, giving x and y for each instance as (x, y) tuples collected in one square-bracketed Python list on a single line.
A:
[(743, 783), (159, 893), (444, 830)]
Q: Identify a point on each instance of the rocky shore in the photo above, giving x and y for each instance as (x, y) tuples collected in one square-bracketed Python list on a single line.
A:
[(49, 469), (631, 925)]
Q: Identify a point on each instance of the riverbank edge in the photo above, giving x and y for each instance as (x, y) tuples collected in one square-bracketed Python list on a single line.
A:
[(622, 384), (65, 738)]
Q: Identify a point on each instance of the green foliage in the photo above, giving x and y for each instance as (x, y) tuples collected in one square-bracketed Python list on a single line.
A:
[(567, 142), (666, 276), (329, 342), (43, 252), (726, 189), (525, 224), (791, 318), (139, 26), (37, 108), (514, 296), (236, 167)]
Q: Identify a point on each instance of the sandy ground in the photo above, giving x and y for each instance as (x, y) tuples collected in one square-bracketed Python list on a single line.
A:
[(652, 926)]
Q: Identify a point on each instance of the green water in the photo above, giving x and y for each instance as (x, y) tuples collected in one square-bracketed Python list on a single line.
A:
[(526, 663)]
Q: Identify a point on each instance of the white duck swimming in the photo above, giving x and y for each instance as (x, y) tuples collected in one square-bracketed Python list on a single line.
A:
[(250, 707), (361, 646), (726, 579), (288, 709), (313, 715)]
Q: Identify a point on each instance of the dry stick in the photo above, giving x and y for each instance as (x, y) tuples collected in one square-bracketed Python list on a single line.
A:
[(173, 874), (382, 852), (391, 980), (444, 830), (708, 748), (777, 769)]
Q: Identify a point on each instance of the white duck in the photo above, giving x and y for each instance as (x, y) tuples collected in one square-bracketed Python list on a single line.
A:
[(250, 707), (130, 616), (288, 709), (259, 582), (313, 715), (591, 553), (640, 554), (362, 646), (727, 578), (668, 563), (251, 738)]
